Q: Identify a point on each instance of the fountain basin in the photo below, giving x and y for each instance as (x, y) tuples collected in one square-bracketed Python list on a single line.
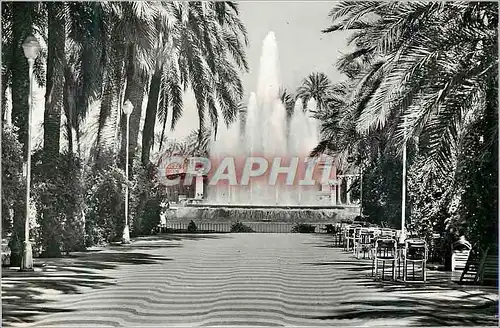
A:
[(262, 218)]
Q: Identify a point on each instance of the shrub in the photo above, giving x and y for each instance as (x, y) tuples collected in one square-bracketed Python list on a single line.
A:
[(192, 228), (240, 227), (105, 200), (304, 228), (58, 197), (12, 189), (150, 216), (146, 194)]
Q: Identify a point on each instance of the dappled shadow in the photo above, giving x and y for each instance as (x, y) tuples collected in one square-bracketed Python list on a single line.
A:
[(191, 236), (344, 266), (163, 240), (438, 302), (421, 312), (26, 294), (325, 242), (144, 247)]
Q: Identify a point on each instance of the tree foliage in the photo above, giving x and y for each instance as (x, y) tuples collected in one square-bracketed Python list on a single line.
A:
[(422, 75), (97, 55)]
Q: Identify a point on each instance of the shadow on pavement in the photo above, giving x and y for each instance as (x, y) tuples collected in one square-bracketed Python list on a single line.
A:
[(190, 236), (422, 312), (164, 240), (27, 294), (426, 304)]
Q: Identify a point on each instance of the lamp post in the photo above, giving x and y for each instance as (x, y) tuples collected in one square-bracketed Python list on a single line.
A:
[(31, 49), (127, 110), (403, 195), (361, 190)]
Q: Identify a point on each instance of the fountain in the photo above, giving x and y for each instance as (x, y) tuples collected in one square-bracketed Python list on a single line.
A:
[(267, 134)]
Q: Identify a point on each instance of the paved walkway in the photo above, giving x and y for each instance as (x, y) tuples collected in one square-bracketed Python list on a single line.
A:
[(231, 279)]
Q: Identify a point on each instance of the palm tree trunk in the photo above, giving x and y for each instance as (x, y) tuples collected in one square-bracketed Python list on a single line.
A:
[(55, 83), (164, 102), (150, 120), (136, 82), (103, 114), (110, 111), (52, 120), (22, 27), (69, 106)]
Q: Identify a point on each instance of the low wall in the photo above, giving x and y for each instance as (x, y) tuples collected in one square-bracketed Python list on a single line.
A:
[(261, 227)]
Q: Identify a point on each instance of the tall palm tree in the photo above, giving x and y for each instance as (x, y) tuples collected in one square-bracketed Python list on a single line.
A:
[(141, 26), (109, 49), (425, 66), (19, 20), (113, 84), (202, 50), (85, 62), (424, 74)]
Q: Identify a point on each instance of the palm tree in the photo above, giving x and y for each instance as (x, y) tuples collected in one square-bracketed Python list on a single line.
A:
[(197, 146), (85, 62), (423, 74), (424, 65), (200, 50), (113, 85), (318, 87), (107, 46), (140, 32)]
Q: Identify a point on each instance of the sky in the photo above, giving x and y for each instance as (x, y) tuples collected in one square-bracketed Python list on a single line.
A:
[(302, 47)]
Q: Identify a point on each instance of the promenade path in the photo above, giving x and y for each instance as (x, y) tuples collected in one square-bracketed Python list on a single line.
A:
[(231, 279)]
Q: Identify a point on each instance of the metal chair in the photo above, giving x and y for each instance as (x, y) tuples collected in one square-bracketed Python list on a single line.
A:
[(385, 250), (415, 252), (337, 234), (345, 235), (355, 239), (364, 242), (349, 235)]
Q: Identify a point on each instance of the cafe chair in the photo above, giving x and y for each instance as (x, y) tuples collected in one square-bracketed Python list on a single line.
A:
[(364, 243), (415, 252), (385, 250)]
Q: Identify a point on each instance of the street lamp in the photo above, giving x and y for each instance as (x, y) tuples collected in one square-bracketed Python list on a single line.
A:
[(361, 189), (127, 110), (31, 49), (403, 195)]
